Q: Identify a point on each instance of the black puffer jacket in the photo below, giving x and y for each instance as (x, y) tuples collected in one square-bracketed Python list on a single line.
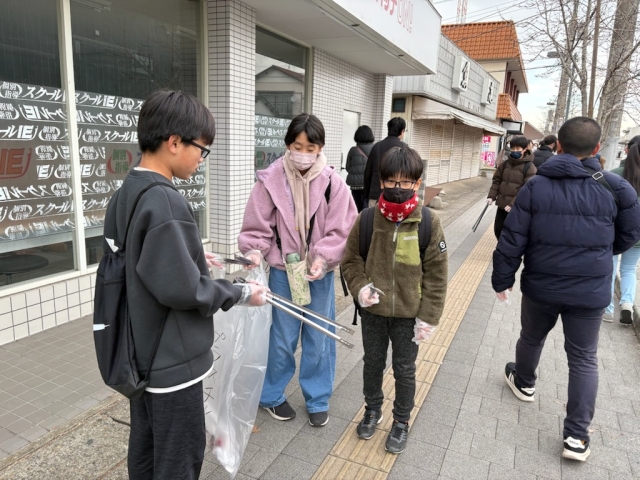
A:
[(356, 163), (541, 155)]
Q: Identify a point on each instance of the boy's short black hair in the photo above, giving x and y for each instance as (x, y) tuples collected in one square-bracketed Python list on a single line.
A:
[(364, 135), (396, 126), (309, 124), (171, 112), (402, 160), (549, 140), (519, 141), (579, 136)]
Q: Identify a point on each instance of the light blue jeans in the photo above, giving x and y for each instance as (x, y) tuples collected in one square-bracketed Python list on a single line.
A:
[(318, 361), (628, 266)]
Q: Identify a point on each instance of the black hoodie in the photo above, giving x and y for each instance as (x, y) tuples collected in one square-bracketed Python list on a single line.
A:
[(166, 269)]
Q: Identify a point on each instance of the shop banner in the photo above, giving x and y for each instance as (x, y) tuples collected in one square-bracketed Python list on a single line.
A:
[(269, 133), (35, 167)]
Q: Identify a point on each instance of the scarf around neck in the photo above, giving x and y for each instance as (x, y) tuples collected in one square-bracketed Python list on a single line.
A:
[(397, 212), (300, 192)]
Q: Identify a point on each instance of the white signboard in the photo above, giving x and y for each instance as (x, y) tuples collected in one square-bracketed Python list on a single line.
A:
[(489, 91), (410, 26), (461, 73)]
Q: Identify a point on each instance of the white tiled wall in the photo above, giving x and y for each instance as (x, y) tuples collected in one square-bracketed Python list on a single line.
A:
[(338, 86), (32, 311), (231, 31)]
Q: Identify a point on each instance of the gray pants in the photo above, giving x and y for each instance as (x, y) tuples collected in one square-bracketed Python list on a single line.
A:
[(376, 333), (581, 328)]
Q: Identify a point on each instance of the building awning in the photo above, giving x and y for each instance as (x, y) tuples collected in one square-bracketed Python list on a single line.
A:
[(427, 109)]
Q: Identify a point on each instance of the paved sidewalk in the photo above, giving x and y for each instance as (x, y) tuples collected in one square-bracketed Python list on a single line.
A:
[(468, 425)]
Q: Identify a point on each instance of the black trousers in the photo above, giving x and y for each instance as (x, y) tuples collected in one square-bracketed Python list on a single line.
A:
[(501, 216), (376, 333), (167, 438), (358, 197), (581, 328)]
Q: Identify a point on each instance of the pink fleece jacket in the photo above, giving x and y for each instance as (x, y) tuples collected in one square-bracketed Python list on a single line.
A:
[(271, 204)]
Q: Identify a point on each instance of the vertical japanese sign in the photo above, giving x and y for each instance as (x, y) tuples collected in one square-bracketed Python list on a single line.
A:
[(35, 168), (488, 158), (269, 133)]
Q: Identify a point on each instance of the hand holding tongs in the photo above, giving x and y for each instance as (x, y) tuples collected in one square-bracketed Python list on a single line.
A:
[(285, 305), (238, 260)]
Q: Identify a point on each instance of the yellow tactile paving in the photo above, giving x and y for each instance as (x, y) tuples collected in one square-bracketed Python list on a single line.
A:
[(352, 458)]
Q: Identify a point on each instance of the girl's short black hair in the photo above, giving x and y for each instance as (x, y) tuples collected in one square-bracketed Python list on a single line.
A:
[(403, 161), (171, 112), (309, 124), (519, 141), (364, 135)]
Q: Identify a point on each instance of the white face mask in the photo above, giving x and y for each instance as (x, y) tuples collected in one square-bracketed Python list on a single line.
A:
[(302, 161)]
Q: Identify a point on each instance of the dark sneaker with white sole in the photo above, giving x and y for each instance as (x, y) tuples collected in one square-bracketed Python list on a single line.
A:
[(576, 449), (397, 439), (318, 419), (523, 393), (367, 426), (282, 412)]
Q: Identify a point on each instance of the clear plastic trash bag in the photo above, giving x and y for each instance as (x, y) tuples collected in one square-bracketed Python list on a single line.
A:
[(232, 391)]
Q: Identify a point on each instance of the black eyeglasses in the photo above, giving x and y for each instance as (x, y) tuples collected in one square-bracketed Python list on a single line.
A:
[(404, 184), (204, 152)]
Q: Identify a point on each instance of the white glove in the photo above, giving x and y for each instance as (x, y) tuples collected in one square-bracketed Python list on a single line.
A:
[(253, 295), (213, 260), (489, 201), (367, 297), (507, 208), (318, 269), (503, 297), (422, 331), (255, 256)]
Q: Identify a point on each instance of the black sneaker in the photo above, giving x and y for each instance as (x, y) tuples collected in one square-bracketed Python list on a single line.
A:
[(626, 316), (576, 449), (367, 425), (282, 412), (318, 419), (397, 439), (523, 393)]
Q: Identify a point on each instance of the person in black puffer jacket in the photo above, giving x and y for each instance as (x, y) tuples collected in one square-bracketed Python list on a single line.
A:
[(357, 162), (546, 151)]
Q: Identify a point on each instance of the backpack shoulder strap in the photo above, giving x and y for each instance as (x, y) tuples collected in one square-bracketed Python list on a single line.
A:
[(598, 176), (366, 230), (526, 169), (424, 231), (327, 197), (135, 205)]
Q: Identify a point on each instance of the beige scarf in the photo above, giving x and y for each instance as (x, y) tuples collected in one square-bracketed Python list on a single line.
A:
[(300, 191)]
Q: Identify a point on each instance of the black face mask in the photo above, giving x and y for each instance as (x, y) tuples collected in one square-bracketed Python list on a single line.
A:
[(397, 195)]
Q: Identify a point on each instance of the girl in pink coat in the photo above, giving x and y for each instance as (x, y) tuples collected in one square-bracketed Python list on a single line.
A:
[(299, 208)]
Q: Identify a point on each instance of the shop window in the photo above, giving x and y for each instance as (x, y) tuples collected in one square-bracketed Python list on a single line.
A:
[(36, 207), (123, 50), (280, 93)]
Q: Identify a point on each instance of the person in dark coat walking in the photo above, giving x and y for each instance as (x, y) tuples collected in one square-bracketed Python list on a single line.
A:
[(395, 129), (568, 226), (546, 150), (357, 162), (509, 178)]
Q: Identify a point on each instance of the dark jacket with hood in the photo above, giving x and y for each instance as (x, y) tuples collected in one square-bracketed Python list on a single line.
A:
[(356, 164), (509, 178), (372, 188), (167, 270), (541, 155), (568, 227)]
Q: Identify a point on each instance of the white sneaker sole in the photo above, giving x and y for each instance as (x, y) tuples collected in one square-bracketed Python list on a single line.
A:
[(517, 392), (580, 457), (282, 419), (319, 424)]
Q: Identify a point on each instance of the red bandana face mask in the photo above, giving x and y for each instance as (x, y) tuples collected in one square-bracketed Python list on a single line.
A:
[(397, 212)]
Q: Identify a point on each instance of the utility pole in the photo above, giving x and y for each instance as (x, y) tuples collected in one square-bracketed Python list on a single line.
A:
[(461, 16), (594, 61)]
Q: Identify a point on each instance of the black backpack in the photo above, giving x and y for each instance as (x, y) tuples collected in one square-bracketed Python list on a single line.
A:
[(112, 332), (366, 232)]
